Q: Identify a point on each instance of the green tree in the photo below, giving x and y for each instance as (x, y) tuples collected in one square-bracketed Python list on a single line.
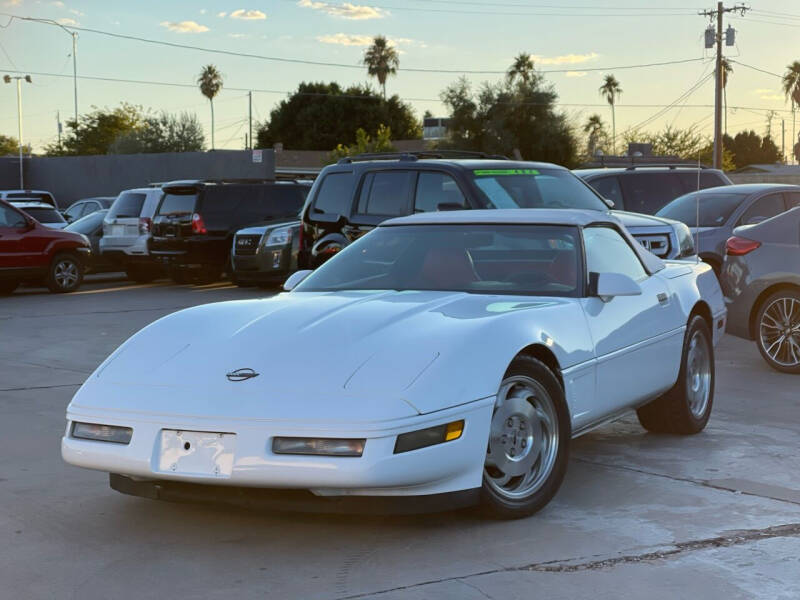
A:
[(687, 144), (162, 133), (611, 90), (95, 132), (9, 146), (748, 148), (364, 143), (210, 82), (318, 116), (597, 136), (381, 60), (511, 117), (521, 68)]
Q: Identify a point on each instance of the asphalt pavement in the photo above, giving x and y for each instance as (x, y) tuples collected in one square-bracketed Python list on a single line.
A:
[(715, 515)]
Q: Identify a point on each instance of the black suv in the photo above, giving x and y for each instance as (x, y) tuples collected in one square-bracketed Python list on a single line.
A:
[(195, 222), (357, 193), (649, 188)]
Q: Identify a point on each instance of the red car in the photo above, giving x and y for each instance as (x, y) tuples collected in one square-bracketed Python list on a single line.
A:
[(31, 252)]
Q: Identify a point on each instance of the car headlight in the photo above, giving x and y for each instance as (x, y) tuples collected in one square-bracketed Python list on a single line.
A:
[(102, 433), (431, 436), (318, 446), (279, 237), (685, 240)]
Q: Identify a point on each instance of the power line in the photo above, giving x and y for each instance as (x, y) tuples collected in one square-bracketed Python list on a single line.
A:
[(684, 96), (756, 68), (561, 6), (345, 65)]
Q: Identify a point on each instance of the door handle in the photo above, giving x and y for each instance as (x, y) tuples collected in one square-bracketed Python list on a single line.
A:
[(663, 299)]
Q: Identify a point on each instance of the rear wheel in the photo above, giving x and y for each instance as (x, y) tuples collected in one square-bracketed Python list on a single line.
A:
[(8, 287), (528, 448), (778, 331), (686, 408), (65, 275)]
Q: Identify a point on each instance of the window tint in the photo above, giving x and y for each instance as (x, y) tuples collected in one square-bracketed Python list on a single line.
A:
[(270, 202), (649, 192), (174, 205), (762, 209), (714, 208), (608, 252), (45, 215), (334, 195), (434, 189), (10, 218), (75, 211), (534, 188), (385, 193), (608, 187), (127, 205), (792, 200)]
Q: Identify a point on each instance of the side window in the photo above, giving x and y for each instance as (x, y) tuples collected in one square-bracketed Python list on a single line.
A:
[(608, 252), (75, 211), (385, 193), (608, 187), (792, 200), (649, 192), (762, 209), (334, 195), (10, 218), (434, 189)]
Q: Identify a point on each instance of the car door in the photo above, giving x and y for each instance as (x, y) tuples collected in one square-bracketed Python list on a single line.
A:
[(22, 247), (792, 200), (637, 339), (436, 190), (382, 195), (762, 208)]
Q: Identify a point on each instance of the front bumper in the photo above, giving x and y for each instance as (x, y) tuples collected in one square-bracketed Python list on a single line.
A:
[(269, 264), (447, 467)]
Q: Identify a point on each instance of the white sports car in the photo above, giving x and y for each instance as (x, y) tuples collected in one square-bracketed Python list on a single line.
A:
[(446, 356)]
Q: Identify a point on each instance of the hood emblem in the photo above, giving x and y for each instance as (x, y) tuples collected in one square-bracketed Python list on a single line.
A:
[(241, 375)]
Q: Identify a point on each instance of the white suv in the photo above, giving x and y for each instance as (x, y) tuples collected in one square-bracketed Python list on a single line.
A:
[(126, 231)]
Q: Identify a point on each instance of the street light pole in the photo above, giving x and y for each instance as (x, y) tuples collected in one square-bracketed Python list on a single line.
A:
[(75, 71), (19, 79)]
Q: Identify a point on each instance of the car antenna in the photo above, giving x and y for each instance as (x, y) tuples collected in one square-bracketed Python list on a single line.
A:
[(697, 214)]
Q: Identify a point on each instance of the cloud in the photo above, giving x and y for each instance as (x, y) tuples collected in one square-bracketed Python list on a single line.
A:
[(353, 39), (184, 26), (203, 11), (565, 59), (239, 35), (66, 21), (773, 97), (222, 14), (576, 74), (12, 2), (248, 15), (347, 10), (57, 4)]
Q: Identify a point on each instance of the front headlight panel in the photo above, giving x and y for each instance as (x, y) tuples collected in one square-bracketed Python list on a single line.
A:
[(278, 237)]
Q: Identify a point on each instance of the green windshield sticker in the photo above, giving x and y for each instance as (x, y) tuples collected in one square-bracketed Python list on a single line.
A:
[(480, 172)]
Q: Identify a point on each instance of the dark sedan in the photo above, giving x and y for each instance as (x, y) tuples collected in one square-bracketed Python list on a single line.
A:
[(761, 282), (713, 214)]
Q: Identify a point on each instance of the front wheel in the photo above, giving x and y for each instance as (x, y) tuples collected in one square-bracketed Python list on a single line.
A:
[(65, 275), (686, 408), (529, 438), (778, 333)]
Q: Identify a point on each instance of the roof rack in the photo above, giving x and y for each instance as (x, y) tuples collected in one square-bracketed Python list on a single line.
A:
[(666, 166), (415, 155)]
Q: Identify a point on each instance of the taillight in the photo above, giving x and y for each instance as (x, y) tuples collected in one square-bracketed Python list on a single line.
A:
[(144, 224), (197, 224), (739, 246)]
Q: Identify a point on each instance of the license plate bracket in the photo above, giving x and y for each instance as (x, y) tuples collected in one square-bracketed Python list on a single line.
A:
[(197, 453)]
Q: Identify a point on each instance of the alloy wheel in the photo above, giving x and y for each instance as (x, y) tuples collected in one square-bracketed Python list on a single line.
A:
[(698, 374), (779, 331), (66, 274)]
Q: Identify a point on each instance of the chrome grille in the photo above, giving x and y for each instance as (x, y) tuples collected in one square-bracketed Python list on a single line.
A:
[(244, 245), (658, 244)]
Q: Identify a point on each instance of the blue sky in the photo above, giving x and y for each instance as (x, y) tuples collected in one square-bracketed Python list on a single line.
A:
[(441, 34)]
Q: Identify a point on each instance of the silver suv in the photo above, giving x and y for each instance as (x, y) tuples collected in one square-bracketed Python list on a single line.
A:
[(126, 232)]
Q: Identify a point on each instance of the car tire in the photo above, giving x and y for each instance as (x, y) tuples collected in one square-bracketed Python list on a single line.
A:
[(140, 274), (686, 408), (529, 439), (65, 274), (8, 287), (780, 309)]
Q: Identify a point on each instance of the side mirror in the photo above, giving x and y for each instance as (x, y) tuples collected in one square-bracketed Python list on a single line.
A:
[(609, 202), (608, 285), (295, 279)]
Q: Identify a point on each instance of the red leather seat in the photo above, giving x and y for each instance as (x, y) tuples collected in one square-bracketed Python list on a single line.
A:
[(447, 268)]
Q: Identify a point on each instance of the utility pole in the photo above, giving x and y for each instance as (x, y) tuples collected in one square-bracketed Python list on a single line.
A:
[(19, 79), (783, 139), (74, 35), (58, 125), (717, 40), (250, 116)]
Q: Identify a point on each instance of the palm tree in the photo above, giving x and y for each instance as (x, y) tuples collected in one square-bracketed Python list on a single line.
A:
[(596, 129), (522, 67), (210, 82), (791, 87), (727, 69), (381, 60), (611, 90)]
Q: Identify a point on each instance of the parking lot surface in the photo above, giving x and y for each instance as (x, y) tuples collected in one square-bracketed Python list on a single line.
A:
[(639, 515)]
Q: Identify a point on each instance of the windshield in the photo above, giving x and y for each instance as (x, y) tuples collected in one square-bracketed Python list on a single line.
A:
[(45, 215), (493, 259), (535, 188), (127, 206), (715, 209)]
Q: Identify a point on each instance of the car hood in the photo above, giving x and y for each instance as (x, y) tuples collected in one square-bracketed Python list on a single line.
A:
[(316, 353), (630, 219)]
